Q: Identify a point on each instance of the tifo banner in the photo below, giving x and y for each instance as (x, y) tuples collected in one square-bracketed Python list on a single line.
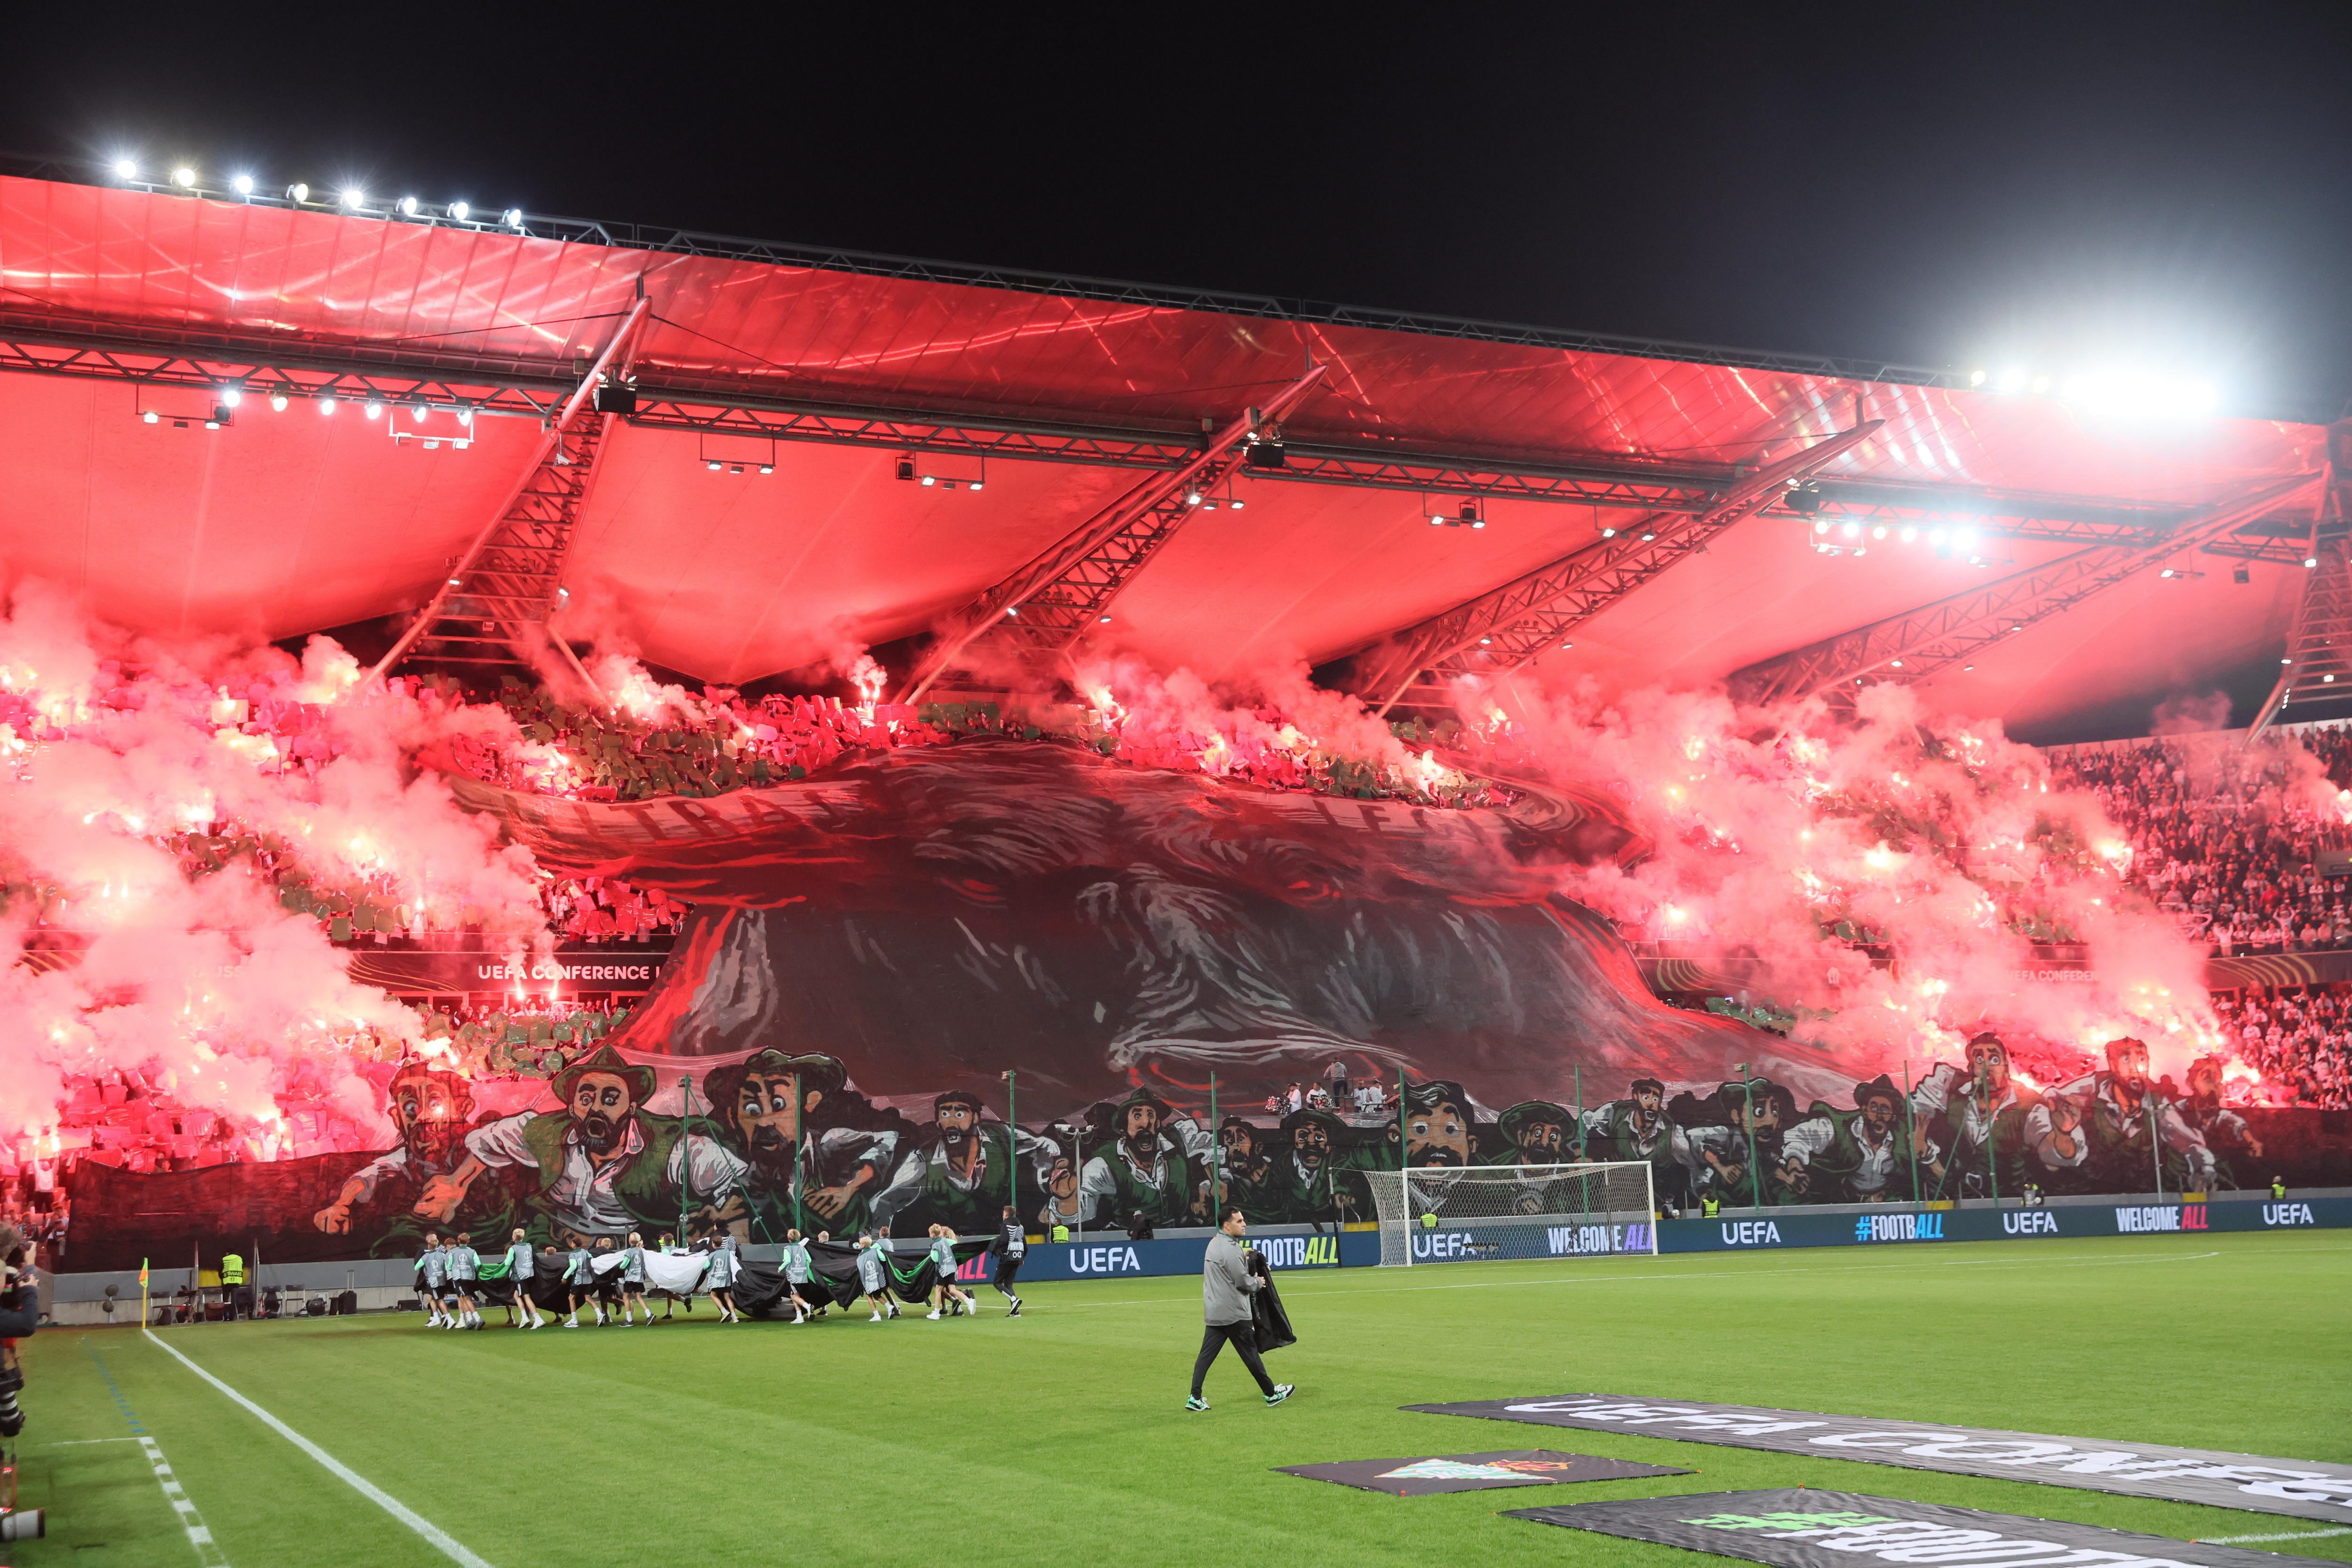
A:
[(1476, 1472), (1803, 1529), (944, 979), (2307, 1489)]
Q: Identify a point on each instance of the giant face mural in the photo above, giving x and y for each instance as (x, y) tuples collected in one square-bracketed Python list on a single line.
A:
[(934, 916)]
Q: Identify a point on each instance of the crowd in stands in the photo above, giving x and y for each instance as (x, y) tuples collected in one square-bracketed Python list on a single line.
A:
[(2301, 1043)]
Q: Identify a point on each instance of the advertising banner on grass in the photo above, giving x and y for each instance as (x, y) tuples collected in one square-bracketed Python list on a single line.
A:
[(1903, 1226), (1475, 1472), (1804, 1528), (2306, 1489)]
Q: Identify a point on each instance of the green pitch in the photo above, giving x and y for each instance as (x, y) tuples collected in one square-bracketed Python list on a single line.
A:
[(1060, 1438)]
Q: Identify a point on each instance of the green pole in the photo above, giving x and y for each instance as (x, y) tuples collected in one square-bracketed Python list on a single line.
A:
[(1013, 1147), (1216, 1166), (800, 1140), (1578, 1070), (1399, 1118), (1755, 1176), (2155, 1141), (686, 1161), (1910, 1129)]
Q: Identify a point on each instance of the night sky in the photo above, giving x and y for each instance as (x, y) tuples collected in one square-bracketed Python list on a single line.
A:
[(2064, 186)]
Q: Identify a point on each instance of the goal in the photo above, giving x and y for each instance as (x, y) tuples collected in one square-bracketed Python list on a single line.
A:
[(1491, 1213)]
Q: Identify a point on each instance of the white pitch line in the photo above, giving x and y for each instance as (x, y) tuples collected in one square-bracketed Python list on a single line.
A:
[(209, 1552), (2294, 1536), (433, 1534)]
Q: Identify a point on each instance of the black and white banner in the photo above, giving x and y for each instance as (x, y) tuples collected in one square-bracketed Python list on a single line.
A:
[(1794, 1529), (1476, 1472), (2305, 1489)]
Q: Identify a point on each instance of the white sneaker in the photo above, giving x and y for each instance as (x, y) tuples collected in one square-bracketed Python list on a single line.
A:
[(572, 1321), (875, 1318), (933, 1314)]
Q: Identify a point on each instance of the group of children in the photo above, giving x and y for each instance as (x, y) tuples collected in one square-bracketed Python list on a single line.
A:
[(448, 1275)]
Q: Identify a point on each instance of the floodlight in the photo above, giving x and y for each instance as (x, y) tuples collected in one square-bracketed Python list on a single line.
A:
[(353, 195), (767, 468), (1648, 534), (1102, 620), (408, 206), (1192, 497), (418, 412), (1608, 534), (184, 177), (2013, 380), (977, 483), (930, 480), (1976, 378), (126, 169), (1233, 502), (513, 217), (713, 464), (241, 183), (278, 402), (456, 582), (465, 417), (458, 210), (148, 418), (231, 396), (1821, 526), (1909, 534), (1854, 530), (297, 192), (1485, 642), (1878, 533), (1436, 519), (374, 408), (325, 405)]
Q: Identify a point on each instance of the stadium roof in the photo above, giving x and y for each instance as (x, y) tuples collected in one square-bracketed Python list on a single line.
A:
[(121, 302)]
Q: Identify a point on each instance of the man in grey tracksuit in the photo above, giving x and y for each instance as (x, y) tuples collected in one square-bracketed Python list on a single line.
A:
[(1226, 1284)]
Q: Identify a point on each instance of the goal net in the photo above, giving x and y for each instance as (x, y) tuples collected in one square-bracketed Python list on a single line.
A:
[(1489, 1212)]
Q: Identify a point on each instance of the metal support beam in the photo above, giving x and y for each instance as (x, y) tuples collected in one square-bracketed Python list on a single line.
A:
[(1502, 631), (508, 578), (1912, 646), (1039, 614), (2317, 664)]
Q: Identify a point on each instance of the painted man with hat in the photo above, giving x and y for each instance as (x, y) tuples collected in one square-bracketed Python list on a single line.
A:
[(1155, 1164), (1535, 1132), (1859, 1156), (1720, 1151), (602, 1165), (2123, 1117), (818, 1152), (1311, 1182)]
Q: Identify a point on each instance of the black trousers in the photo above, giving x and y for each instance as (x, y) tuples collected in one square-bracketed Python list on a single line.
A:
[(1006, 1268), (1243, 1339)]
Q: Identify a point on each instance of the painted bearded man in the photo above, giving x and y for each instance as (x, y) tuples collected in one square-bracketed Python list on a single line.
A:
[(2124, 1117), (964, 1173), (2225, 1131), (1152, 1167), (1720, 1152), (431, 1108), (1638, 1129), (1863, 1155), (1536, 1132), (828, 1179), (1982, 1115), (602, 1165)]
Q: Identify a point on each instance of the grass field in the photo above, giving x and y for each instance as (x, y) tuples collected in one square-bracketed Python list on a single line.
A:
[(1060, 1438)]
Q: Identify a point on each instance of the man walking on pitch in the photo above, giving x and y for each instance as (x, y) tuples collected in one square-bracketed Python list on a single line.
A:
[(1011, 1246), (1226, 1286)]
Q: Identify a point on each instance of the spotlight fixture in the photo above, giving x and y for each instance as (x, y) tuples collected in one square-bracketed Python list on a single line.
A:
[(1102, 620), (2309, 561), (231, 396), (298, 193), (1437, 520), (149, 417), (1805, 499), (1470, 515), (734, 468), (976, 484), (325, 405), (374, 409), (2242, 574), (241, 183), (1909, 534), (2167, 571), (184, 177), (1976, 378), (1263, 454), (353, 196), (126, 168), (1896, 663), (1485, 642), (278, 402), (713, 464), (1566, 646), (1011, 609), (1192, 496), (408, 205), (456, 582), (1878, 533), (465, 417), (1232, 500), (1208, 503), (512, 217), (1608, 534), (1823, 526), (906, 468), (458, 210), (767, 468), (1966, 668), (1648, 534), (1853, 531), (418, 412), (930, 480)]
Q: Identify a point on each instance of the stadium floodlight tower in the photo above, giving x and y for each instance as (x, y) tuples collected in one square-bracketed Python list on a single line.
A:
[(1462, 1214)]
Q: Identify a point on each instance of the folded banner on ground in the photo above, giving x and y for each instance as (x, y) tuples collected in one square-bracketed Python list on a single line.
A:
[(1475, 1472), (2306, 1489), (1804, 1528)]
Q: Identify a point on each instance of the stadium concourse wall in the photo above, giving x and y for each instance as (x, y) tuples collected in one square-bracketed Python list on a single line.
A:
[(381, 1281)]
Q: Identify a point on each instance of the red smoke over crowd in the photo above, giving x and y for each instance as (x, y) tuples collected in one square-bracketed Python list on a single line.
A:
[(186, 830)]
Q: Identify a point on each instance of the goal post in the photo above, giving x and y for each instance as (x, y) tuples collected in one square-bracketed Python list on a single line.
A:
[(1495, 1213)]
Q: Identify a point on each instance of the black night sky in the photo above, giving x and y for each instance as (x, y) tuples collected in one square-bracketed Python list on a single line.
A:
[(2060, 185)]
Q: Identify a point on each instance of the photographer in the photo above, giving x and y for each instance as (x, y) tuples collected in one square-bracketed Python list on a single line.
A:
[(20, 1311)]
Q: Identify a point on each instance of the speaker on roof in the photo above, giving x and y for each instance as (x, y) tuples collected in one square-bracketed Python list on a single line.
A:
[(1264, 454), (615, 398)]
